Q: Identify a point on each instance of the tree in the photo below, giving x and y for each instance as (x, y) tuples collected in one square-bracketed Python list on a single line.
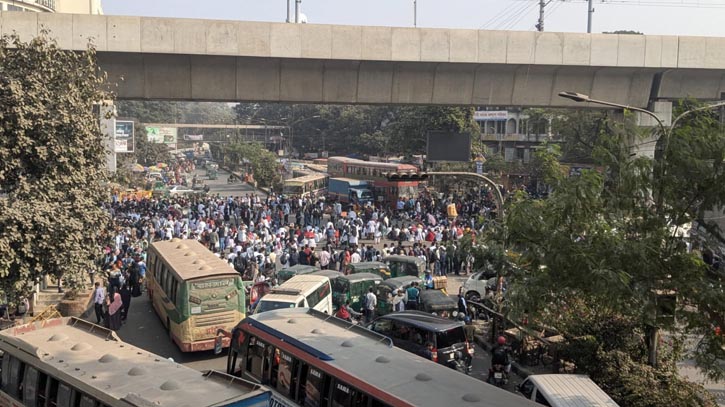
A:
[(600, 245), (52, 163), (261, 162)]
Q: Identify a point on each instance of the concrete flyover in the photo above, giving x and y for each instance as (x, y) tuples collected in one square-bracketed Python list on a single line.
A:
[(186, 59)]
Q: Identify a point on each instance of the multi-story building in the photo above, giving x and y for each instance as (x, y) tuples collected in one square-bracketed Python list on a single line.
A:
[(512, 133), (53, 6)]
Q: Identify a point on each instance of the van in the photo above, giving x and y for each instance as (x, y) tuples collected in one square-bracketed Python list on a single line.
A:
[(304, 291), (414, 330), (564, 390)]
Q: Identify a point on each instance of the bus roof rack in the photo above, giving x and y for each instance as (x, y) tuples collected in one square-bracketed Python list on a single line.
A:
[(288, 291)]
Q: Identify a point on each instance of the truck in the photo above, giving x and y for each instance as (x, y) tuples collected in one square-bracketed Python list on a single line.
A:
[(350, 191)]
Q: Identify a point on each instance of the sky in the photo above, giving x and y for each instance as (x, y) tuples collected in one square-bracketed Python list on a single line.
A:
[(665, 17)]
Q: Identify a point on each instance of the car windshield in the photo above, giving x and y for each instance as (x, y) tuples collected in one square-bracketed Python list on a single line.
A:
[(265, 306), (450, 337)]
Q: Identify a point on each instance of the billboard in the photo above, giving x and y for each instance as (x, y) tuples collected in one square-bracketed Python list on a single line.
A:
[(491, 115), (194, 137), (159, 135), (123, 137), (448, 146)]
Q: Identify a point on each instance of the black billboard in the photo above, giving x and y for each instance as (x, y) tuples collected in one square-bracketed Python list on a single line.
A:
[(448, 146)]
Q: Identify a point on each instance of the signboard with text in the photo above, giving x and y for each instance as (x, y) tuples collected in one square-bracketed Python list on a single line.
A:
[(123, 137), (491, 115), (194, 137), (159, 135)]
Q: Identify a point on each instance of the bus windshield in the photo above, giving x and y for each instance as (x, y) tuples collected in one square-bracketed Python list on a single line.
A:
[(265, 306), (292, 189), (213, 295)]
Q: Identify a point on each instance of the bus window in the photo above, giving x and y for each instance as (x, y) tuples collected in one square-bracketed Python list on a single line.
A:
[(53, 392), (254, 359), (377, 403), (321, 292), (15, 378), (64, 395), (30, 387), (87, 401), (344, 395), (286, 378), (314, 388), (5, 371)]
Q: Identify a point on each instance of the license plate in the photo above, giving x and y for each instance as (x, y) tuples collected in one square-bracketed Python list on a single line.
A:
[(498, 375), (451, 356)]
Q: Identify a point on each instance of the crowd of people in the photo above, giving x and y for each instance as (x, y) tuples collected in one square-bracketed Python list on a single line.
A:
[(257, 234)]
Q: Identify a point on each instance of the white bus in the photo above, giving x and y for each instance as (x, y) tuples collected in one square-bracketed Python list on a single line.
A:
[(69, 362), (301, 291)]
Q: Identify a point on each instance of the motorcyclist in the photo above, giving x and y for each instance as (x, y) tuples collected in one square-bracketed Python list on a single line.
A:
[(501, 356)]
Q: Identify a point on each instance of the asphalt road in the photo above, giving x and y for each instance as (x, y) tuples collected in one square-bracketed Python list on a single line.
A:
[(222, 187)]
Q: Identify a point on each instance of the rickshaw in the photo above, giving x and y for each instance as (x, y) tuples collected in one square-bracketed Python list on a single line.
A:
[(289, 272), (374, 267), (352, 288), (438, 303), (385, 290), (405, 266), (212, 173)]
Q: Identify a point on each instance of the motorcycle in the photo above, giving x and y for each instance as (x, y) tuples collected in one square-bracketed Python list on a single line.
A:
[(497, 375), (460, 363)]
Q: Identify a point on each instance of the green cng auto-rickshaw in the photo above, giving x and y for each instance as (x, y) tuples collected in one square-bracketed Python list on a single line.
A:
[(374, 267), (405, 266), (353, 287), (289, 272), (385, 291)]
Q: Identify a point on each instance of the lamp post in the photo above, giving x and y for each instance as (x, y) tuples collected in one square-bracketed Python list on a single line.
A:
[(291, 130), (663, 142)]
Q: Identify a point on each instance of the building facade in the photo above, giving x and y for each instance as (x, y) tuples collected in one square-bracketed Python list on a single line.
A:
[(512, 133), (53, 6)]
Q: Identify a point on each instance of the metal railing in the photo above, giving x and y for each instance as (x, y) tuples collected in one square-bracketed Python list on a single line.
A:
[(49, 4)]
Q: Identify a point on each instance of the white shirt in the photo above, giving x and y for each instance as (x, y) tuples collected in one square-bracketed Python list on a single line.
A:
[(100, 295)]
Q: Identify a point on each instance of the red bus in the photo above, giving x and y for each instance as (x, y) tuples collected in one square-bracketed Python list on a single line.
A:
[(384, 190)]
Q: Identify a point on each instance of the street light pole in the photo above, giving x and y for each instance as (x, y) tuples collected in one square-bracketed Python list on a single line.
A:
[(664, 137)]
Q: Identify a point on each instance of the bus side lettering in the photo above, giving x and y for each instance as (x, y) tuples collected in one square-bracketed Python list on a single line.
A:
[(211, 284)]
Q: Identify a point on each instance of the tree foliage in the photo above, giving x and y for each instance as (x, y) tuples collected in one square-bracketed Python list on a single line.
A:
[(52, 162), (602, 244), (262, 162)]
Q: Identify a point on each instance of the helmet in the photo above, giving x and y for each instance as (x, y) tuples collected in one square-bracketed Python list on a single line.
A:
[(461, 316), (501, 340)]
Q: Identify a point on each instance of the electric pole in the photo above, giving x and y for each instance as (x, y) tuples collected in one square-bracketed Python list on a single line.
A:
[(540, 23), (590, 13), (415, 13)]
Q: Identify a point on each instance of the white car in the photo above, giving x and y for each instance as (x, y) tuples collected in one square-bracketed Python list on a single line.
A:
[(180, 189), (477, 285)]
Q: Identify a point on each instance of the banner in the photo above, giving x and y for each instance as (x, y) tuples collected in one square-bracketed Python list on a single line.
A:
[(194, 137), (159, 135), (491, 115), (123, 137), (153, 135)]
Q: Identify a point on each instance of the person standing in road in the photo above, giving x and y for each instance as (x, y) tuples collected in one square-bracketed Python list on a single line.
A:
[(413, 293), (324, 258), (99, 295), (371, 301)]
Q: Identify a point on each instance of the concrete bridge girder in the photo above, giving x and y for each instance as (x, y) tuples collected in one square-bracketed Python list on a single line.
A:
[(226, 78)]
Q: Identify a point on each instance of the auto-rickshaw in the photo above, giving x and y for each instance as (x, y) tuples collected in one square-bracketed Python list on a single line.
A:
[(352, 288), (385, 290), (212, 173), (405, 266), (438, 303), (374, 267), (289, 272)]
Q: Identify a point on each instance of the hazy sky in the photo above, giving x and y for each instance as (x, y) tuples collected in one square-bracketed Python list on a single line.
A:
[(673, 17)]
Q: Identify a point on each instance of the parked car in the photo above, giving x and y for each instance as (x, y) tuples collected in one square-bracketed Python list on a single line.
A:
[(477, 285), (405, 266), (374, 267), (415, 331), (564, 390)]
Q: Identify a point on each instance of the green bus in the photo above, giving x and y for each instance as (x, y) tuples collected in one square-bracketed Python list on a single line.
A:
[(194, 293)]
